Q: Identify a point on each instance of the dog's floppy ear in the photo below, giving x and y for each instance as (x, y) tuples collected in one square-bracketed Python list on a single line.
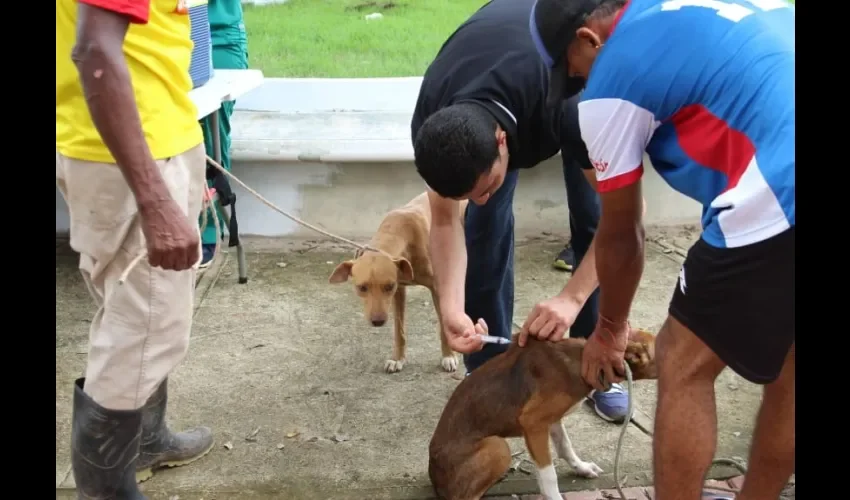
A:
[(405, 270), (639, 335), (640, 355), (342, 272)]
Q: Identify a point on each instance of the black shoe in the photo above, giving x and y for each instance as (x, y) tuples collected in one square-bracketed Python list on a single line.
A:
[(566, 260), (162, 448), (104, 449)]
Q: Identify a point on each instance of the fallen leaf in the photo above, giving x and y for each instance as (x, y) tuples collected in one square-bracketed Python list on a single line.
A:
[(292, 434), (340, 438), (525, 467), (252, 438), (228, 445)]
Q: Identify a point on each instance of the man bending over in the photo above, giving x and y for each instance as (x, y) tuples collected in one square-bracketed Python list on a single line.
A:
[(480, 119), (707, 89)]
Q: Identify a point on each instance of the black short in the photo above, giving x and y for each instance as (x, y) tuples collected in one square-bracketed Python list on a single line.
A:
[(740, 302)]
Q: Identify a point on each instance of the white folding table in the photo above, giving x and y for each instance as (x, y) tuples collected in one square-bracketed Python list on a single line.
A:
[(225, 85)]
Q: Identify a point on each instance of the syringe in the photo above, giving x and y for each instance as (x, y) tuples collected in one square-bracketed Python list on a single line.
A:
[(491, 339)]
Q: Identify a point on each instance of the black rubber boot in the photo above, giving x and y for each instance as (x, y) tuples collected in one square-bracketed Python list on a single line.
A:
[(162, 448), (104, 449)]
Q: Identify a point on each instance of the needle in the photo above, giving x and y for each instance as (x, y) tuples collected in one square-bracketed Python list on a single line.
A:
[(490, 339)]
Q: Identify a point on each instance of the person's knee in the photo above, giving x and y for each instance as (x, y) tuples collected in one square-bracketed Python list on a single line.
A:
[(683, 358), (783, 388)]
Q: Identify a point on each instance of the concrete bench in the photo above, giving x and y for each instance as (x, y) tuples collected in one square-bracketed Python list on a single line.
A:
[(337, 153)]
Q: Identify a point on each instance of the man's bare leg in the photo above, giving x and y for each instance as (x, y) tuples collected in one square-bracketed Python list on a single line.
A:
[(685, 417), (774, 442)]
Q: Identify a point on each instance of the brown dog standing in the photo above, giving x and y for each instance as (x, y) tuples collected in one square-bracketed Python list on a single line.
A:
[(524, 392), (381, 279)]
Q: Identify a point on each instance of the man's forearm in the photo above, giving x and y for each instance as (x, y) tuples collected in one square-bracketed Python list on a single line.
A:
[(619, 266), (109, 94), (584, 280), (448, 259)]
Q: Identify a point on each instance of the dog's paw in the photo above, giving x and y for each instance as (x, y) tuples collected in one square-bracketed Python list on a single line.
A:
[(449, 363), (393, 365), (588, 469)]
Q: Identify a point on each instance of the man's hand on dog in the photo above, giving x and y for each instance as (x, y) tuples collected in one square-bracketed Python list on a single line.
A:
[(462, 334), (550, 319), (604, 354)]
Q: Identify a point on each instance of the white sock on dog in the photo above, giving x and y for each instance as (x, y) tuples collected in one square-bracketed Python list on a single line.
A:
[(547, 479)]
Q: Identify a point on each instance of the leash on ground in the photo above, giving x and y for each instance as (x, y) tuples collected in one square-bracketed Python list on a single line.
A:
[(620, 483), (208, 203)]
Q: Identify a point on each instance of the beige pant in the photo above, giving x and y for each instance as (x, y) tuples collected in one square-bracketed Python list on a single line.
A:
[(140, 332)]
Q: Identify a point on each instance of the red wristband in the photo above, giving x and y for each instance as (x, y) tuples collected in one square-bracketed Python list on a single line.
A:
[(604, 325)]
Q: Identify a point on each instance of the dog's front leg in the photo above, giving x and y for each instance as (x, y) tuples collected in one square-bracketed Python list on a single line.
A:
[(449, 360), (537, 442), (396, 363), (565, 450)]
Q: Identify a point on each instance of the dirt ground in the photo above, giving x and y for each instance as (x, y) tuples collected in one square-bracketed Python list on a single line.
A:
[(290, 376)]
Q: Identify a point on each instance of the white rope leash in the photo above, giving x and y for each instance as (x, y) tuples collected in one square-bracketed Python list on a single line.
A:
[(617, 481), (288, 215), (619, 484), (208, 204)]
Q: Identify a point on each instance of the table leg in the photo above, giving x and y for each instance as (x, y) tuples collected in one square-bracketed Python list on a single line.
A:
[(240, 251)]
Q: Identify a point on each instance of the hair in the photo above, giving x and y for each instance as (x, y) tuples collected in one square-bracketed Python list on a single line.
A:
[(606, 8), (454, 147)]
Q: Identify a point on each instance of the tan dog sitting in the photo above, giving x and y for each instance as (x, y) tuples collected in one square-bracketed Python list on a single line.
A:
[(380, 279), (524, 392)]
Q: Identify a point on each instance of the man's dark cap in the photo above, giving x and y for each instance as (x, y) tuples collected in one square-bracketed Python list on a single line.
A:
[(553, 25)]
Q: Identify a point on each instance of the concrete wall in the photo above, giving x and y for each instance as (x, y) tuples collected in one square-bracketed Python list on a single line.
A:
[(336, 153)]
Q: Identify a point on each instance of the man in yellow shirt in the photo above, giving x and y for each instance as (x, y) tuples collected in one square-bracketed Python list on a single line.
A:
[(130, 164)]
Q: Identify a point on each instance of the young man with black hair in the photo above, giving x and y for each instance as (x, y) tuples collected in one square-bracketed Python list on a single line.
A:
[(707, 89), (480, 119)]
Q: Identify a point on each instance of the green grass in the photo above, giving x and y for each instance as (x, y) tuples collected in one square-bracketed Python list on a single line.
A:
[(331, 38)]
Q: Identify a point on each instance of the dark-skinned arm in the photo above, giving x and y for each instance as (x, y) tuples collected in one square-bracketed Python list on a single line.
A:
[(619, 253), (616, 133), (99, 57)]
